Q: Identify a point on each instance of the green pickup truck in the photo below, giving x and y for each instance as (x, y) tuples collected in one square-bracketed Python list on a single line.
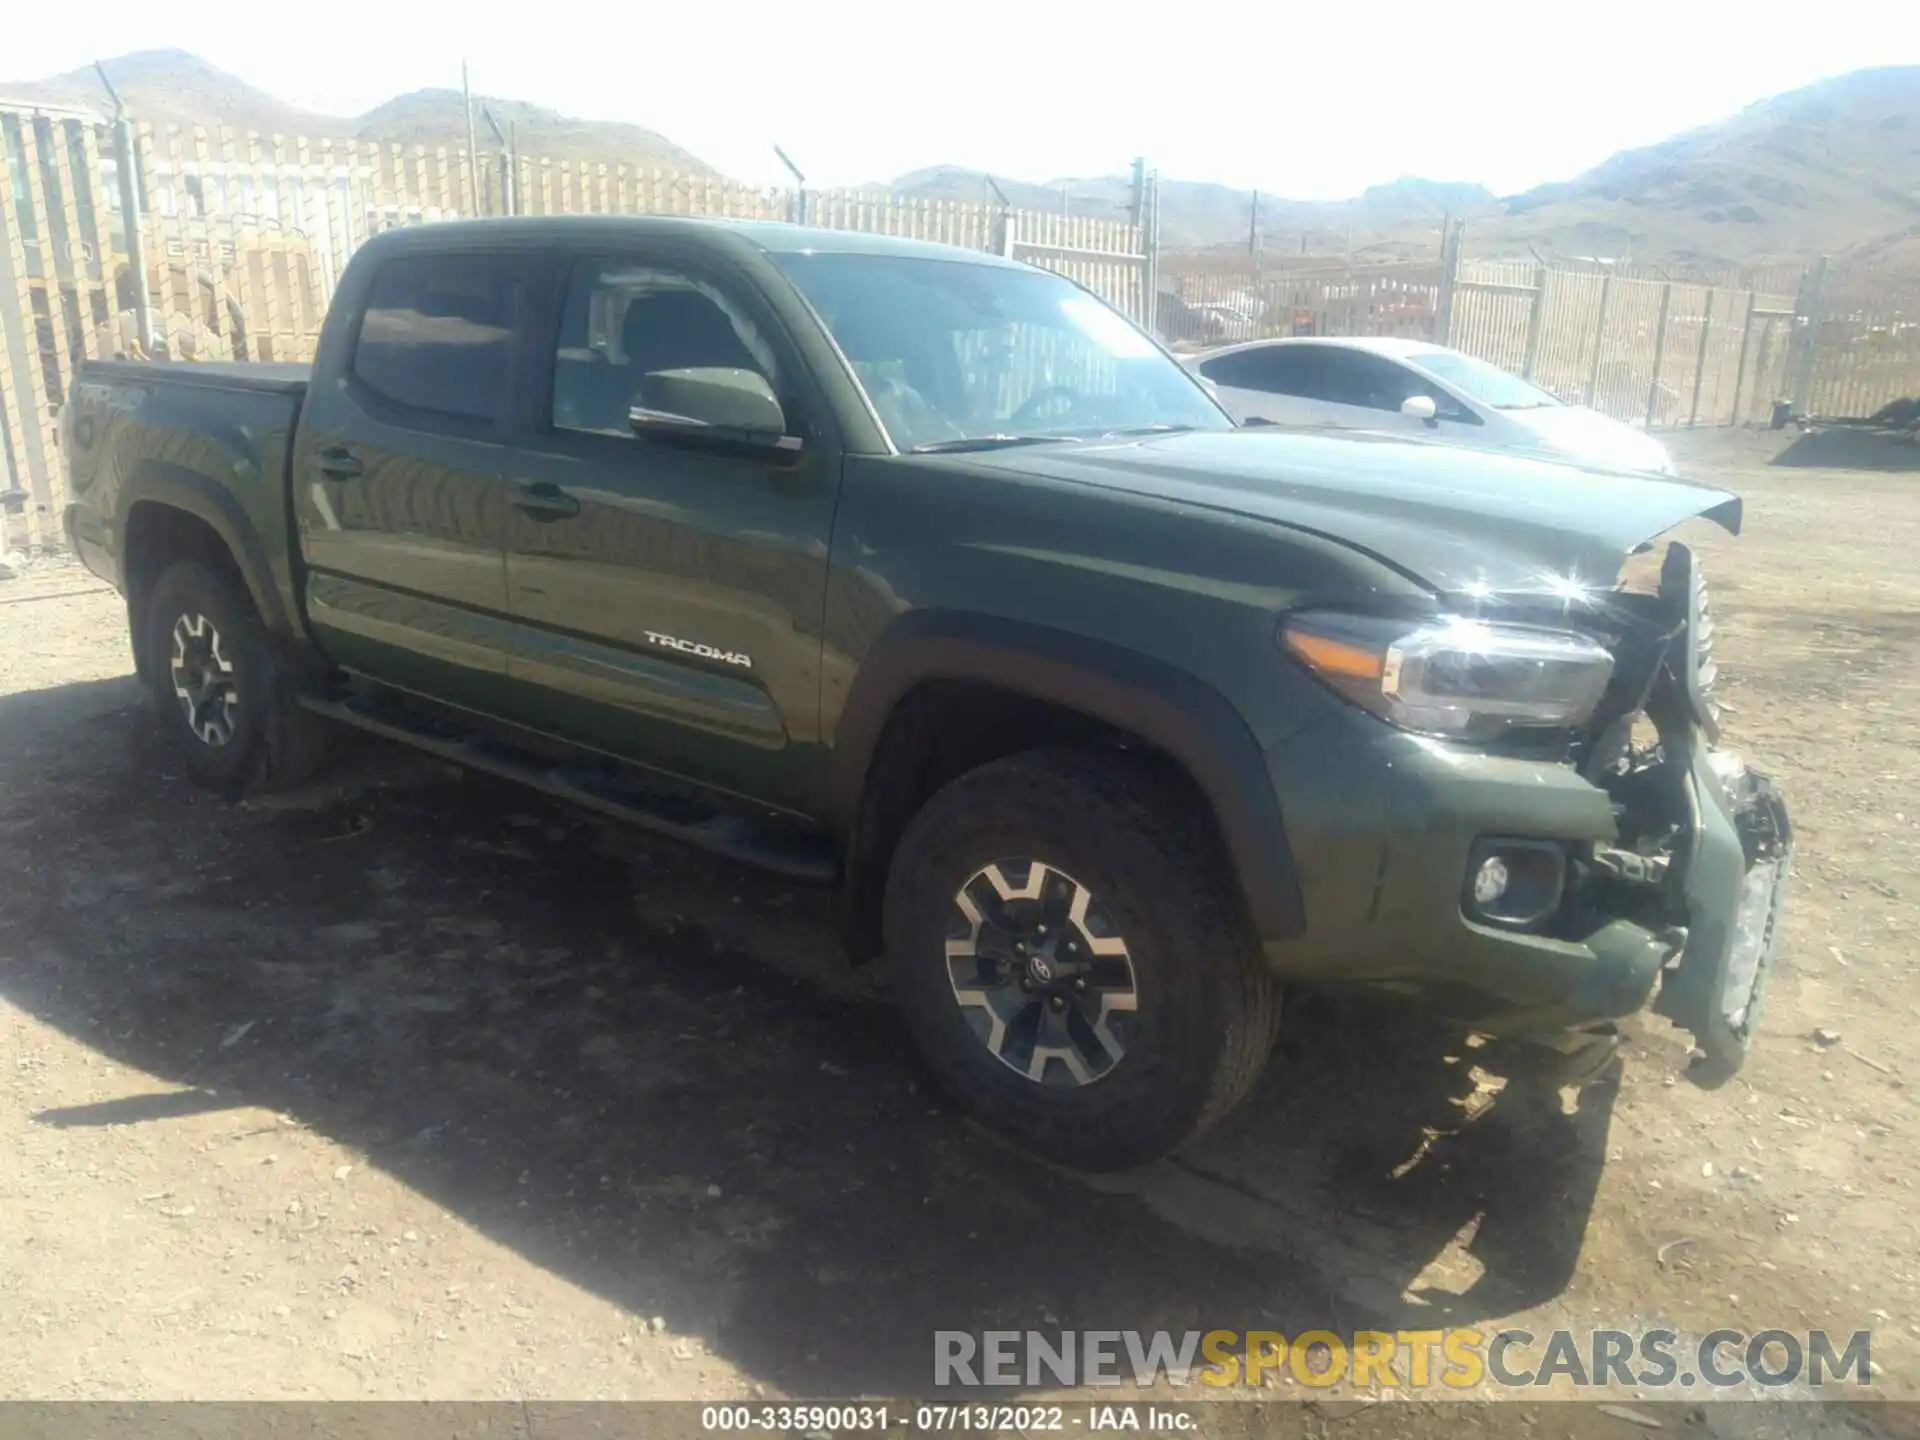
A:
[(926, 574)]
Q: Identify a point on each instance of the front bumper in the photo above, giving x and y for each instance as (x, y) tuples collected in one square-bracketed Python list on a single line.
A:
[(1735, 886), (1383, 827)]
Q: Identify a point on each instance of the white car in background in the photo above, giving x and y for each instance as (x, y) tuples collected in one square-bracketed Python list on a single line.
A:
[(1413, 387)]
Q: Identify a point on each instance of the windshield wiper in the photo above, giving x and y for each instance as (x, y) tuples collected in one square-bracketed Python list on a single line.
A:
[(989, 442)]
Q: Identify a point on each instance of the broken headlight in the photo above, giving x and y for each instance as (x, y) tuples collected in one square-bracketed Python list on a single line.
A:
[(1457, 678)]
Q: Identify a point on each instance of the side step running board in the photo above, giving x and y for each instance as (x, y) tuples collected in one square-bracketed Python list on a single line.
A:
[(784, 850)]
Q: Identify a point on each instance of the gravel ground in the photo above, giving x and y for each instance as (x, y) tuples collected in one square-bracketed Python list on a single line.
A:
[(416, 1086)]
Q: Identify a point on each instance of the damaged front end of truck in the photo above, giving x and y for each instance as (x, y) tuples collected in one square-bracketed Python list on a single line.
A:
[(1704, 842)]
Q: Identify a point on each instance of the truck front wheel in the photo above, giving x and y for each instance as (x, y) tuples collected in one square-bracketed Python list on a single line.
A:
[(1071, 962), (222, 699)]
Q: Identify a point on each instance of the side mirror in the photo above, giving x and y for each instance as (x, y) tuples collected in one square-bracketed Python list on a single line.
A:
[(1419, 407), (712, 406)]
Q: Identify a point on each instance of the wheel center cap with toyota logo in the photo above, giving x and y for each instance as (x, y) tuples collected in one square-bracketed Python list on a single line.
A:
[(1040, 969)]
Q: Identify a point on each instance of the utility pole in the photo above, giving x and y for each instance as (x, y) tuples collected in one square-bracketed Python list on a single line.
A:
[(1253, 228), (1137, 204)]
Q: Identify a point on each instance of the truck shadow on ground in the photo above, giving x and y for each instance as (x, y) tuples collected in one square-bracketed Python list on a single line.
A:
[(1842, 447), (650, 1072)]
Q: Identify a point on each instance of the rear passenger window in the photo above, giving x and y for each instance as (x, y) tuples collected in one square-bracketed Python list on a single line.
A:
[(1271, 369), (439, 334)]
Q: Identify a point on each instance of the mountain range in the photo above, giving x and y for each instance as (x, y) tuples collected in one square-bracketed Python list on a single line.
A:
[(1830, 168), (173, 87)]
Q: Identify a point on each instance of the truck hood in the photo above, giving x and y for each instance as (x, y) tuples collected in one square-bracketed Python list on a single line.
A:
[(1576, 431), (1463, 522)]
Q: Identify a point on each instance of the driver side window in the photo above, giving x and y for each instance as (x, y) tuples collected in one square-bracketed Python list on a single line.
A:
[(1368, 381), (627, 324), (1374, 382)]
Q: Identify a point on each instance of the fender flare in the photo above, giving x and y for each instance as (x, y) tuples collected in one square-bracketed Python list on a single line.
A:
[(161, 483), (1184, 717)]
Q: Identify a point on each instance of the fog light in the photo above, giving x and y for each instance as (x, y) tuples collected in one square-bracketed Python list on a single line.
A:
[(1515, 884)]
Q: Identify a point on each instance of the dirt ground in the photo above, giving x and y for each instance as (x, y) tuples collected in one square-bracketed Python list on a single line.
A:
[(418, 1086)]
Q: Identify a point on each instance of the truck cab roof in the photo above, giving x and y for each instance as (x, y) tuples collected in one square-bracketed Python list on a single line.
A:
[(774, 237)]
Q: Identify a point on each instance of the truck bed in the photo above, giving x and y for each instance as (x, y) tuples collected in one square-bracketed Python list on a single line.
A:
[(278, 379), (210, 440)]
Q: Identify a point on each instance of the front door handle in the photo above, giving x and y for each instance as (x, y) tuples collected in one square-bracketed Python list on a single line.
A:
[(338, 462), (544, 501)]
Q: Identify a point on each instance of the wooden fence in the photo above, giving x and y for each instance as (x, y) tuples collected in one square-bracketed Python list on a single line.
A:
[(243, 237)]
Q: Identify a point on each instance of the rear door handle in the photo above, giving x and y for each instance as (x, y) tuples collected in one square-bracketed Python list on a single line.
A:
[(338, 462), (544, 501)]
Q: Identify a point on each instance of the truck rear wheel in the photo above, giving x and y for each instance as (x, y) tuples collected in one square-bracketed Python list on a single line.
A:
[(223, 701), (1070, 961)]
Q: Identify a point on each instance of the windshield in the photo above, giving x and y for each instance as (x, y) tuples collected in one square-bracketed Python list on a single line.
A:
[(959, 355), (1477, 380)]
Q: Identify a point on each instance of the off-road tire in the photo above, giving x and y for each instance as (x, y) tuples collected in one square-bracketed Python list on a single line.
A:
[(1137, 838), (273, 743)]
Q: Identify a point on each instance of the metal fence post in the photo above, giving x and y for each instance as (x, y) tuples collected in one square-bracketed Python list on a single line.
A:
[(1806, 322), (1536, 318), (1599, 339), (1450, 242), (1700, 359), (511, 196), (1659, 350), (473, 143), (126, 161), (1740, 365), (1150, 264)]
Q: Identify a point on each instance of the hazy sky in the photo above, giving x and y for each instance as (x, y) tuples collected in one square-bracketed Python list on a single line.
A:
[(1302, 101)]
